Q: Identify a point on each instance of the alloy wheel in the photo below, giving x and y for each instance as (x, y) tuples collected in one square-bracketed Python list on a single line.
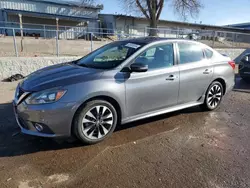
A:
[(97, 122), (214, 96)]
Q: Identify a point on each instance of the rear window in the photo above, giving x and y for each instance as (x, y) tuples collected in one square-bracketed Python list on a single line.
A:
[(209, 53), (190, 53)]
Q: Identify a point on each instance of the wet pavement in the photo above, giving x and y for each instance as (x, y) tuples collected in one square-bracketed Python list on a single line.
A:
[(188, 148)]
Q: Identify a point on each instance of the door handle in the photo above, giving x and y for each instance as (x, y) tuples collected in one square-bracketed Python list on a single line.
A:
[(207, 71), (171, 77)]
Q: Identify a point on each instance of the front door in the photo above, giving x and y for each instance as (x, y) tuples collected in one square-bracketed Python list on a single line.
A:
[(158, 87)]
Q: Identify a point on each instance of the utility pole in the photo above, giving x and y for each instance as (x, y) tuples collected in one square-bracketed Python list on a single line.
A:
[(21, 24), (57, 24), (21, 30), (57, 37)]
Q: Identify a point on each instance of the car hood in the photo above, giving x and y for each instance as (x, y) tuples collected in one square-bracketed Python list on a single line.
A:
[(58, 75)]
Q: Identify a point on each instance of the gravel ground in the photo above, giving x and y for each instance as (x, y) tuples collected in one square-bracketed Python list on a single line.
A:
[(188, 148)]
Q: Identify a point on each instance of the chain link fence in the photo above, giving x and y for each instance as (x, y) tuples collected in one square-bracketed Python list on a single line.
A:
[(215, 39), (79, 41)]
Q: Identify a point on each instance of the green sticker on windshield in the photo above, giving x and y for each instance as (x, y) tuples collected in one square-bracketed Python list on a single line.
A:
[(131, 45)]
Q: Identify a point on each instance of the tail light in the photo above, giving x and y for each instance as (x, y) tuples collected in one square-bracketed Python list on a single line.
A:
[(232, 64)]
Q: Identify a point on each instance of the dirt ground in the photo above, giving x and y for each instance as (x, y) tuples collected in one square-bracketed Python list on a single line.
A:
[(188, 148), (47, 47)]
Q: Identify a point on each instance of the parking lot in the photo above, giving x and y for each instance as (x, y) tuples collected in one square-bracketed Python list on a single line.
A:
[(188, 148)]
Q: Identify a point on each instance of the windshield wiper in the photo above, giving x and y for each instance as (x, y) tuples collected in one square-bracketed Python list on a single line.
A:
[(88, 66), (81, 65), (75, 61)]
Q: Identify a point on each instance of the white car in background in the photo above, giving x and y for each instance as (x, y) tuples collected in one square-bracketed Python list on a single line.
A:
[(193, 36)]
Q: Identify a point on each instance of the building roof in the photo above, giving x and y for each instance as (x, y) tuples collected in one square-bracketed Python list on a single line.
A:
[(186, 24), (70, 3), (240, 24), (47, 15)]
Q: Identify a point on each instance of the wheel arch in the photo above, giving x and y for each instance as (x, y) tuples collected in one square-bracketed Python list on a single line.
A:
[(109, 99), (223, 83)]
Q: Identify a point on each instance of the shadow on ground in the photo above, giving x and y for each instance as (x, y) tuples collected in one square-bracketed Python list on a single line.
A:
[(14, 143)]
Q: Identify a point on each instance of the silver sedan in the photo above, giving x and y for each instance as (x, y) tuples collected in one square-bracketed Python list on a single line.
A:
[(121, 82)]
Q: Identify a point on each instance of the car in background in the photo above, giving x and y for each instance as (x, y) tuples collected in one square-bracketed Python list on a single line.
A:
[(193, 36), (244, 67), (121, 82)]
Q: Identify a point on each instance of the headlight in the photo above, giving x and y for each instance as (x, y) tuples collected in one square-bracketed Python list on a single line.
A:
[(44, 97)]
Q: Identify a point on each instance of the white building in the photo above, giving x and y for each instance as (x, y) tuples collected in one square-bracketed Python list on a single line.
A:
[(139, 26), (43, 15)]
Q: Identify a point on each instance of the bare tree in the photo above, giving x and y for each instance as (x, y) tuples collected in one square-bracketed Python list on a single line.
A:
[(152, 9), (89, 3), (86, 2)]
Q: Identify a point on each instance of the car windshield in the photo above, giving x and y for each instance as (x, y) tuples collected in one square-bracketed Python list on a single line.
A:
[(110, 55)]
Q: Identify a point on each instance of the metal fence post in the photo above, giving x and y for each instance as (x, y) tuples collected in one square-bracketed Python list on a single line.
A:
[(15, 45), (44, 31), (91, 42), (214, 38), (235, 43), (57, 44)]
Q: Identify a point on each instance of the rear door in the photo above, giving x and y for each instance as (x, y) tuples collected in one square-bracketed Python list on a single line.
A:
[(195, 72)]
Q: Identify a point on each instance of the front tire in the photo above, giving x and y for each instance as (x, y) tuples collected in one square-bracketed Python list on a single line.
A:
[(213, 97), (95, 121)]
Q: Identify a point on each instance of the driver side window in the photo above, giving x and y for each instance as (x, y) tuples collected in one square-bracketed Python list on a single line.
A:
[(157, 57)]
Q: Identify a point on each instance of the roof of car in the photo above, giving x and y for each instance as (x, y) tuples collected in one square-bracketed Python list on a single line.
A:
[(147, 40)]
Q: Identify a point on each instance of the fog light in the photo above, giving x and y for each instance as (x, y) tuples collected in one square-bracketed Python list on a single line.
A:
[(38, 127)]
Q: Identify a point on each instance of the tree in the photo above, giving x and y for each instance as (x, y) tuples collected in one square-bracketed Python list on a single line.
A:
[(152, 9), (89, 3)]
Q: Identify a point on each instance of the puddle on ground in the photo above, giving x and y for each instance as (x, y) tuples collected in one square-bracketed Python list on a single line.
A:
[(43, 181)]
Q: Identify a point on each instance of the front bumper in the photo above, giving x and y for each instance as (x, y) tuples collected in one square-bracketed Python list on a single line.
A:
[(46, 120)]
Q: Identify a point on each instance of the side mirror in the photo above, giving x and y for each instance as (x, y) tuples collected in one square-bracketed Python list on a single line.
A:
[(138, 67)]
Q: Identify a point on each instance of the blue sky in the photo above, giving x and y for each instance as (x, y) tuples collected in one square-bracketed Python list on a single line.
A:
[(215, 12)]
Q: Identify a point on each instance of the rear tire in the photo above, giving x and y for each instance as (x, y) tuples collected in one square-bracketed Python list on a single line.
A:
[(95, 121), (213, 97)]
